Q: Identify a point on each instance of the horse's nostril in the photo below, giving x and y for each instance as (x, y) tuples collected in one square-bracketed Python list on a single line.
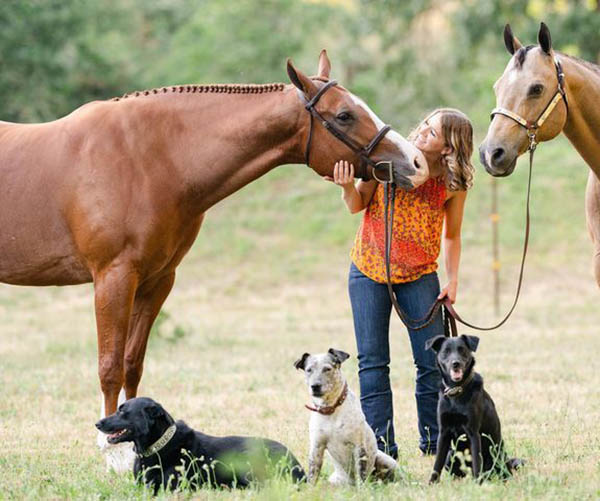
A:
[(498, 155), (417, 166)]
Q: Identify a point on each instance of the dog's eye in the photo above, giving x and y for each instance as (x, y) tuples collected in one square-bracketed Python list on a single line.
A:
[(309, 370), (326, 369), (461, 350)]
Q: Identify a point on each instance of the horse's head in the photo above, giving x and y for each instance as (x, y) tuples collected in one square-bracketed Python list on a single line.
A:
[(527, 102), (343, 127)]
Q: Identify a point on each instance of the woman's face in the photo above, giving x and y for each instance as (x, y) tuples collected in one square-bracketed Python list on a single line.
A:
[(429, 136)]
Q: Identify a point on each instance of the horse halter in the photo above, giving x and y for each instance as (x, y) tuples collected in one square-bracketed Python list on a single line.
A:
[(533, 127), (362, 151)]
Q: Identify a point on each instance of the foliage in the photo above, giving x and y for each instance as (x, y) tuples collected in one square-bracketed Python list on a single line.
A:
[(402, 57)]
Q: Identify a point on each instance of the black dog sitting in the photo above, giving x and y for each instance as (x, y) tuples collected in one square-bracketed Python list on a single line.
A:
[(172, 455), (465, 408)]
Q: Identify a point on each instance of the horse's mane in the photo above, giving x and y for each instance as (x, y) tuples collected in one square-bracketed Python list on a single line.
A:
[(521, 54), (214, 88), (589, 65)]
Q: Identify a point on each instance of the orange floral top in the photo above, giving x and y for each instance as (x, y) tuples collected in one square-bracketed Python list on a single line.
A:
[(416, 235)]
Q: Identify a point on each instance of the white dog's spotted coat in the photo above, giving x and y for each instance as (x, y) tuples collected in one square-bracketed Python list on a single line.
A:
[(344, 434)]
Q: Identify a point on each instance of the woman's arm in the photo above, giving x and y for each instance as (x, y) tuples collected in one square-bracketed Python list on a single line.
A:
[(454, 210), (356, 197)]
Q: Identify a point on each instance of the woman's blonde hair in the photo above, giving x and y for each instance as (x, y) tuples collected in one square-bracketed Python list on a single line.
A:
[(457, 132)]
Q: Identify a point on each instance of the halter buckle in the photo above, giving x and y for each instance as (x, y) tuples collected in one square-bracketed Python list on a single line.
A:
[(531, 134)]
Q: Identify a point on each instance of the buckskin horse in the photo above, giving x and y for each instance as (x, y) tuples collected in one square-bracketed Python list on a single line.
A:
[(116, 191), (541, 93)]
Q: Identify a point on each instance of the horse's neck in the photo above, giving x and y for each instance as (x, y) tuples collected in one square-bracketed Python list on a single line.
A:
[(226, 141), (583, 122)]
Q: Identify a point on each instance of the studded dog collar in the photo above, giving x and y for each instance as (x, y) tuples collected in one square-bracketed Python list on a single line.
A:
[(161, 442), (455, 391), (327, 411)]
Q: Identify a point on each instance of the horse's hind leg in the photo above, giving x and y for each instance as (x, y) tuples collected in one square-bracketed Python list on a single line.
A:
[(148, 301), (592, 212), (114, 291)]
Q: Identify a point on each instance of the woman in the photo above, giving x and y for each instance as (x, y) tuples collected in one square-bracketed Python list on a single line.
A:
[(446, 139)]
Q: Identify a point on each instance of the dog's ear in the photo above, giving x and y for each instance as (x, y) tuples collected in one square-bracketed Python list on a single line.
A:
[(435, 343), (471, 341), (338, 356), (299, 364)]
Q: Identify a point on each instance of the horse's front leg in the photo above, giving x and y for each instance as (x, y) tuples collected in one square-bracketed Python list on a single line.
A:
[(592, 214), (114, 292), (147, 304)]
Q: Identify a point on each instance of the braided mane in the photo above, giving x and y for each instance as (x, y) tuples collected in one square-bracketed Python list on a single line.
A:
[(215, 88)]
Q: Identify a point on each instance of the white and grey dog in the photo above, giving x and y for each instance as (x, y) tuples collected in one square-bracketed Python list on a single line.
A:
[(338, 425)]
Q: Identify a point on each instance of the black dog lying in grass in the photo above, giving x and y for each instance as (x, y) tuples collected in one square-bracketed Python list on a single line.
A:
[(465, 408), (172, 455)]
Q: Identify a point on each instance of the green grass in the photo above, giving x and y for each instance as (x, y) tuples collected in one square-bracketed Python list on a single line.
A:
[(266, 281)]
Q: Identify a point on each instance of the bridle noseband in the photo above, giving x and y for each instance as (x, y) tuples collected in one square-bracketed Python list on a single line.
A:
[(533, 127), (362, 151)]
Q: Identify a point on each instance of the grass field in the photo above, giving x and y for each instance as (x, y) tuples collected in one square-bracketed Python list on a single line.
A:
[(266, 281)]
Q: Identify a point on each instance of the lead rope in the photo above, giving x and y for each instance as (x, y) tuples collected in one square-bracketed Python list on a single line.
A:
[(450, 315)]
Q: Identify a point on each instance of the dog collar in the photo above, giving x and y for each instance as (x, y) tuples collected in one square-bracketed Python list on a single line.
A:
[(161, 442), (455, 391), (331, 409)]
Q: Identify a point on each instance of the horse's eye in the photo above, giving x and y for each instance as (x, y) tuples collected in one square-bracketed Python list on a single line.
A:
[(344, 117), (536, 90)]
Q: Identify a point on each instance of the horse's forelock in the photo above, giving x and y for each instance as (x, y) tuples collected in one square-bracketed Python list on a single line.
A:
[(521, 54)]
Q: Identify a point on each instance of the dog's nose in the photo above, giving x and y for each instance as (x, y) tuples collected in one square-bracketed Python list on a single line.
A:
[(455, 364), (316, 388)]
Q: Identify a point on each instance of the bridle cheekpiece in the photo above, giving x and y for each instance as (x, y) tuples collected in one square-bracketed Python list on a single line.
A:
[(362, 151)]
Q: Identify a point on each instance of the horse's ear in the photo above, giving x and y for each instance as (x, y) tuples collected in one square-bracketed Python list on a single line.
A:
[(510, 41), (324, 65), (544, 38), (301, 81)]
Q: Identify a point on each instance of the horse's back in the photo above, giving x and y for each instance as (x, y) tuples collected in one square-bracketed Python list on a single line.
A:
[(38, 165)]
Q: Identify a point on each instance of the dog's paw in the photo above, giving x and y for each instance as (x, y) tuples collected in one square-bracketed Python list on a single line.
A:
[(434, 478), (515, 463)]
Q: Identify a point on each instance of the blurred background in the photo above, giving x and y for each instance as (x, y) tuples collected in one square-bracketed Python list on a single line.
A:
[(403, 57)]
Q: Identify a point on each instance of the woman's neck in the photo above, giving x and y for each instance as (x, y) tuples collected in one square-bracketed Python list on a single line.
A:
[(436, 168)]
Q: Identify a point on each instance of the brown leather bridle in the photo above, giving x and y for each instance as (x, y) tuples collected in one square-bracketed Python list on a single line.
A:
[(450, 315), (384, 167)]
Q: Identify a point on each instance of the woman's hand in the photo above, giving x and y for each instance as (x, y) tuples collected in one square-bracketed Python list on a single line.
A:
[(343, 174), (450, 291)]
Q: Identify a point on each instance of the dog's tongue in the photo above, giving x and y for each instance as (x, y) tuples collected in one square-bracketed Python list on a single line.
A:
[(456, 374)]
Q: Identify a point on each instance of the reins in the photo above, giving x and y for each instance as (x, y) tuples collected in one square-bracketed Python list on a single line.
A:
[(450, 315)]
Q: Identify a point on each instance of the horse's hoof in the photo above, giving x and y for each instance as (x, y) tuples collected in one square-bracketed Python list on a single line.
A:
[(119, 457)]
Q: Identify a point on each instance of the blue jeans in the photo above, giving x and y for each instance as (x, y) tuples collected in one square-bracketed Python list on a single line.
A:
[(371, 308)]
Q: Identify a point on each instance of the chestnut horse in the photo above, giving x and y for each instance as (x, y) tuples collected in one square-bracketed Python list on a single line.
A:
[(115, 192), (527, 86)]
